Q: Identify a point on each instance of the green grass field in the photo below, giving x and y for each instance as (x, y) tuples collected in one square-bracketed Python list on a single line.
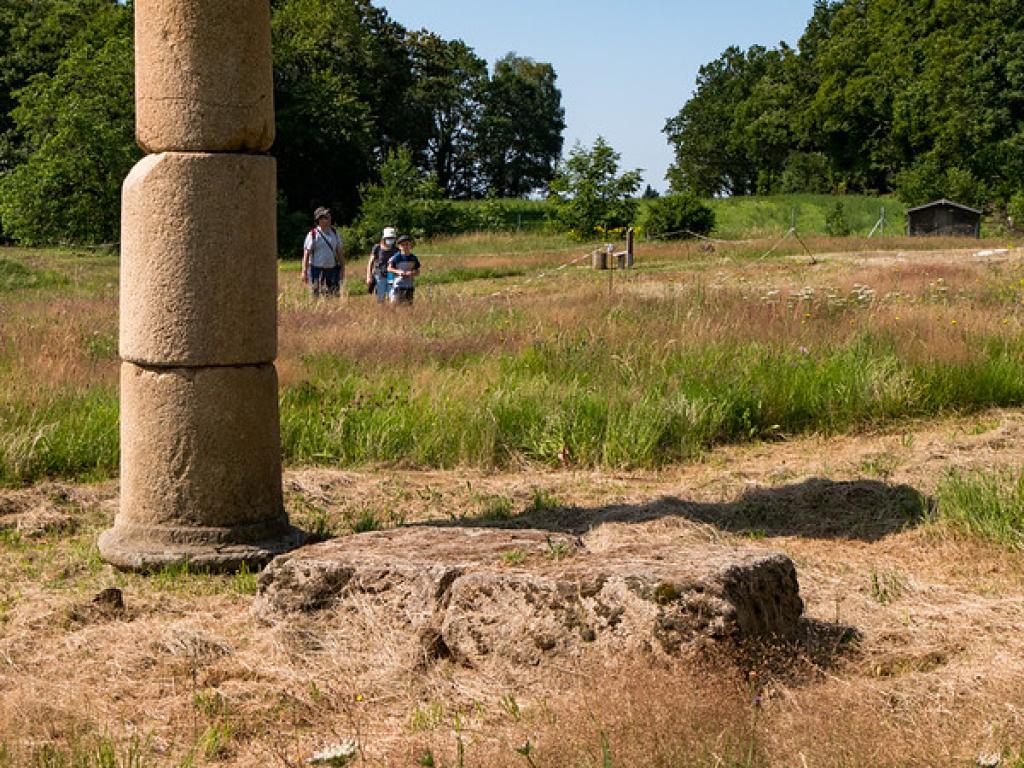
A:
[(742, 217), (510, 356), (737, 217)]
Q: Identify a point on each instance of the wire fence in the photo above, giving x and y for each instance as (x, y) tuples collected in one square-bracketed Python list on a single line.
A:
[(697, 235), (539, 276)]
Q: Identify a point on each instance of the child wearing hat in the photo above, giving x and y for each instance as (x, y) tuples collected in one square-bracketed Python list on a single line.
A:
[(404, 266)]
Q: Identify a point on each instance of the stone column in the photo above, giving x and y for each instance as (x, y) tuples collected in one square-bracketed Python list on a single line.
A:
[(200, 436)]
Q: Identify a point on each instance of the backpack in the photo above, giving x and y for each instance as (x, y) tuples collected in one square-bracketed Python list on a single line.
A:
[(379, 264)]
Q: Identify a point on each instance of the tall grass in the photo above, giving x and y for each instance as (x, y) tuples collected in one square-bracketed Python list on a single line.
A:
[(466, 274), (989, 505), (679, 357), (29, 270), (14, 276), (82, 752), (64, 434), (575, 401)]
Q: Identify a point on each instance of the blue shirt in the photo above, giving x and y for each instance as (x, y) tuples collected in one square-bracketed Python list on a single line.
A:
[(406, 264)]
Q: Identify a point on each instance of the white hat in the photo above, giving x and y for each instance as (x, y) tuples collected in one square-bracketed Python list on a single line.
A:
[(389, 232)]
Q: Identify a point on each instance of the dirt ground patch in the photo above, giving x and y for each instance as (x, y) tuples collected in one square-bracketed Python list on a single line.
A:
[(184, 674)]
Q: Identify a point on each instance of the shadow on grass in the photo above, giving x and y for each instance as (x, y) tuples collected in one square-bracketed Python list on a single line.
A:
[(813, 648), (867, 510)]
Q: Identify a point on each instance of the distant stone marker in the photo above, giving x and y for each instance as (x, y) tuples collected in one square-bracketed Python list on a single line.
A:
[(200, 433)]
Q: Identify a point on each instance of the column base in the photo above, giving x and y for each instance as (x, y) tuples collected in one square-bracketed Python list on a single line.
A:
[(150, 548)]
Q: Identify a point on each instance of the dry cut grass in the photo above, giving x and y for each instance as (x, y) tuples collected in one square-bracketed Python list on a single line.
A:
[(913, 655)]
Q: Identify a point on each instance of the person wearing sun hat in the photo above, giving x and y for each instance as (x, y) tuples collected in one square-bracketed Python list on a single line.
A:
[(403, 267), (323, 256), (377, 266)]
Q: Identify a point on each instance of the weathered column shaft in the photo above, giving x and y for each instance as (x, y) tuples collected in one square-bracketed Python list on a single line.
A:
[(199, 269), (200, 436), (203, 76)]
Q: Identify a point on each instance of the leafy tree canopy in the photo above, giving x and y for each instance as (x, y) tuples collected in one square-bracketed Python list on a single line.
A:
[(880, 95), (405, 198), (521, 127), (351, 85), (341, 72), (76, 127), (450, 85)]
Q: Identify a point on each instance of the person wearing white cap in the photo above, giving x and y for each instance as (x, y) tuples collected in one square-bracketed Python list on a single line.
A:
[(377, 267)]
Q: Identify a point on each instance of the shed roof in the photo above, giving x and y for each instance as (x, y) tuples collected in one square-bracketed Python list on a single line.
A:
[(943, 201)]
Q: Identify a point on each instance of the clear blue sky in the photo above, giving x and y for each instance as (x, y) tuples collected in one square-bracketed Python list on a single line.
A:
[(624, 66)]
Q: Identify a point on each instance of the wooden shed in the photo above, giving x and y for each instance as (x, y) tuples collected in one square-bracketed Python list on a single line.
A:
[(943, 217)]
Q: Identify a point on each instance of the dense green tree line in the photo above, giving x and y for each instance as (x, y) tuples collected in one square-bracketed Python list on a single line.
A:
[(352, 86), (66, 118), (924, 97)]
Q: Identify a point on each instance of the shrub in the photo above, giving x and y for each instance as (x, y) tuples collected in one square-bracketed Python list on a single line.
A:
[(675, 216), (404, 198), (589, 194), (836, 223), (1015, 210), (491, 215), (930, 180)]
